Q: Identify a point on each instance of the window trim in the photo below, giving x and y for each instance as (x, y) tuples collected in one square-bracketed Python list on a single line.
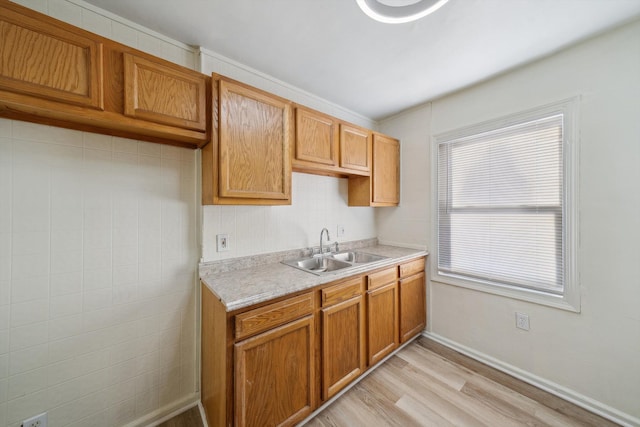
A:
[(570, 299)]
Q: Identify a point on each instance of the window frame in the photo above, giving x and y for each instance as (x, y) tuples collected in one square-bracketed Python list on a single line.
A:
[(570, 297)]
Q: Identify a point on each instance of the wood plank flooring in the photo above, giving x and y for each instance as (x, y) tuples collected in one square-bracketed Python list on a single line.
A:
[(428, 384)]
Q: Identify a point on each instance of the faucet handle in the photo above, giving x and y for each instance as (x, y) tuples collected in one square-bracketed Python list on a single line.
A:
[(337, 247)]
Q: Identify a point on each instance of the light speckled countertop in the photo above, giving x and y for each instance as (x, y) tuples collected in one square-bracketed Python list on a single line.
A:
[(242, 288)]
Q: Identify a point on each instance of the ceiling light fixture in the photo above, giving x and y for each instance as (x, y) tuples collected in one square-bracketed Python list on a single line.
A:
[(399, 11)]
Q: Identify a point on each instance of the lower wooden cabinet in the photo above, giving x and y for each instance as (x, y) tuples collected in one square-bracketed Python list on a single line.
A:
[(382, 314), (382, 324), (274, 376), (273, 364), (342, 345), (413, 309)]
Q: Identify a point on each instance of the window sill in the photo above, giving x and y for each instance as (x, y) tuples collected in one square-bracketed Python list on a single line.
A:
[(567, 302)]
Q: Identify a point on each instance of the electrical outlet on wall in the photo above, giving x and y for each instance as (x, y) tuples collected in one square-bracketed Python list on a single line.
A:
[(340, 231), (37, 421), (522, 321), (222, 241)]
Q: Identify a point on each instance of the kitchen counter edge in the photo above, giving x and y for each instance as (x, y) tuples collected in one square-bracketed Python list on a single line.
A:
[(245, 287)]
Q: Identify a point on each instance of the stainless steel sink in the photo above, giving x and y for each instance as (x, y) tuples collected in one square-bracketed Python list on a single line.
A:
[(329, 263), (321, 264), (357, 257)]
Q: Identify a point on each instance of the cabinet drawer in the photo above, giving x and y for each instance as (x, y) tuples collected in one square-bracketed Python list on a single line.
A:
[(411, 267), (270, 316), (382, 278), (341, 292)]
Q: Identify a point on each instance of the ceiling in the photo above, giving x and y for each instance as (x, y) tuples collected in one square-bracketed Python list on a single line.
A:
[(331, 49)]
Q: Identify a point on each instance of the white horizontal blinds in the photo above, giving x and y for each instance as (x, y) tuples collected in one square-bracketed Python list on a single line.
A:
[(500, 205)]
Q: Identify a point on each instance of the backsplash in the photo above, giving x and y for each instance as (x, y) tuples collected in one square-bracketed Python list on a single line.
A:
[(317, 202), (232, 264)]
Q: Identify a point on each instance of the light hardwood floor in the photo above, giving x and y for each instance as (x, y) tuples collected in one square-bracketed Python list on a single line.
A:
[(427, 384)]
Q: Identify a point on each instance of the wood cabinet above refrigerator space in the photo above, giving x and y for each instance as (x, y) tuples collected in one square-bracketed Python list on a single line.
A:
[(60, 75)]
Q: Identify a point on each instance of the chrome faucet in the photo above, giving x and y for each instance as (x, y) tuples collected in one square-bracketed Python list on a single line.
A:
[(328, 238)]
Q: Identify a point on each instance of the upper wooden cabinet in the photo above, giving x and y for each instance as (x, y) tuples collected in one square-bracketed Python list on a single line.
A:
[(382, 188), (54, 73), (248, 161), (385, 178), (316, 140), (355, 148), (326, 146), (158, 93), (45, 60)]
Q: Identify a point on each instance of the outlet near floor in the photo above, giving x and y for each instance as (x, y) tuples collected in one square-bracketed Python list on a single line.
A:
[(522, 321), (37, 421)]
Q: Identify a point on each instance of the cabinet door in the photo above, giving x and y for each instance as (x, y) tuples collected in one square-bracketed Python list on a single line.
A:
[(342, 345), (316, 138), (386, 170), (382, 325), (274, 376), (413, 310), (355, 148), (53, 62), (162, 94), (255, 138), (382, 187)]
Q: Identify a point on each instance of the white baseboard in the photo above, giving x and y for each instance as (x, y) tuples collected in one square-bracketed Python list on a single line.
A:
[(167, 412), (202, 414), (562, 392)]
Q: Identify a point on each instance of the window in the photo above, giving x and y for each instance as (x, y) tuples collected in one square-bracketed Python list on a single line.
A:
[(505, 206)]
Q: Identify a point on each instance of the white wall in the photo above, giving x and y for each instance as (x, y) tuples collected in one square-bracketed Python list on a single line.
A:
[(97, 276), (592, 356), (98, 257), (317, 201)]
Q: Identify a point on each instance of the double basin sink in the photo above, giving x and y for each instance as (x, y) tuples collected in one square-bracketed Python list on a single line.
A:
[(329, 263)]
